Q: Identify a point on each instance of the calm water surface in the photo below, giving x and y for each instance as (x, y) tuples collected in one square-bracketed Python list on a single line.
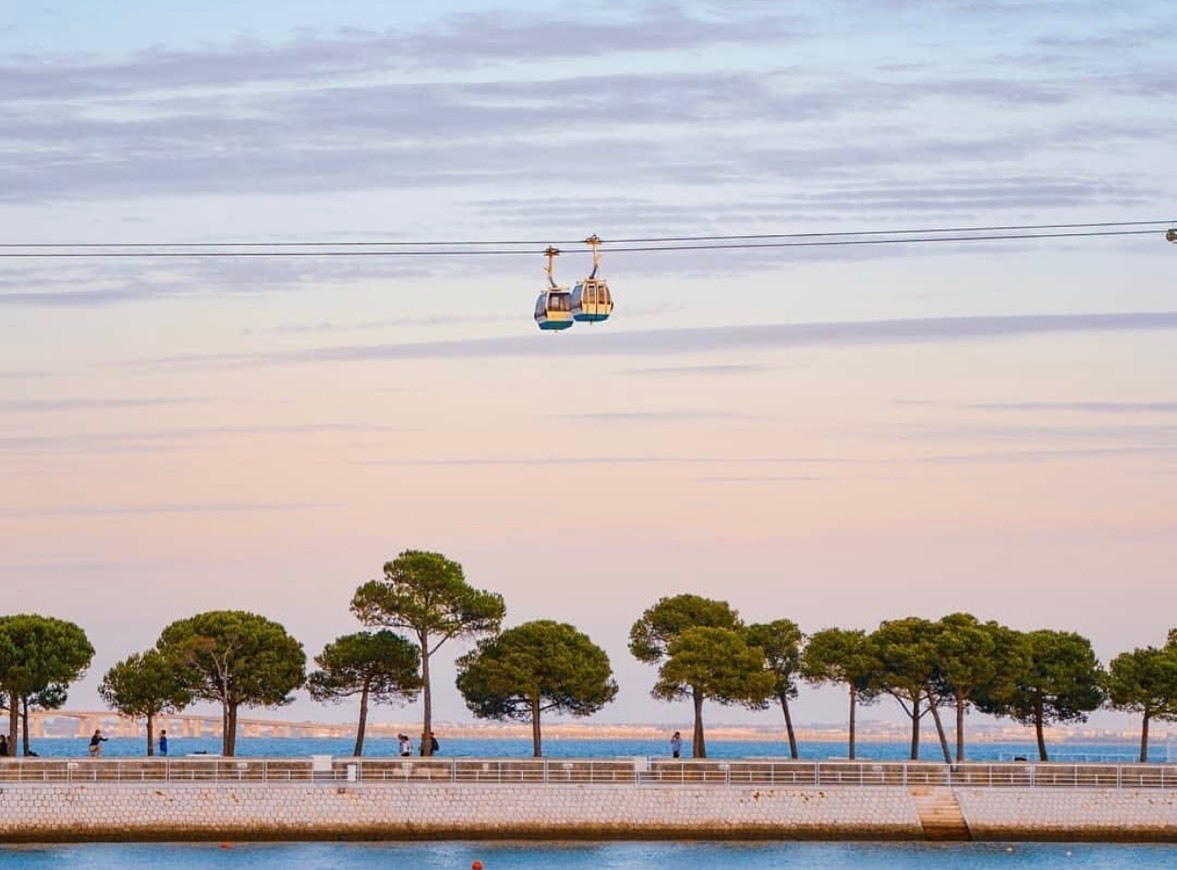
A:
[(271, 747), (591, 856)]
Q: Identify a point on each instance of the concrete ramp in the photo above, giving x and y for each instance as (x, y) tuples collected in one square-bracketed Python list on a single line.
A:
[(940, 814)]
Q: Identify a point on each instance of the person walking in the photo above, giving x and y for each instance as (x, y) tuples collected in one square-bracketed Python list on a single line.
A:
[(406, 745), (163, 742), (434, 746), (676, 745)]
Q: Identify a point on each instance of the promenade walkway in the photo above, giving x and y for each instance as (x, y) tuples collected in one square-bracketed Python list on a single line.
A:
[(615, 771)]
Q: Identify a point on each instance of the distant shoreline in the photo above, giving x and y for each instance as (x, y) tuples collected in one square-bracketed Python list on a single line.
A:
[(597, 731)]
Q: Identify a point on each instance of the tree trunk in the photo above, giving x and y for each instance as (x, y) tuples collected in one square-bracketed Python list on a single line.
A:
[(853, 699), (960, 705), (1144, 739), (426, 698), (150, 735), (363, 723), (935, 708), (24, 725), (13, 721), (230, 737), (698, 747), (915, 730), (1040, 730), (536, 743), (789, 727)]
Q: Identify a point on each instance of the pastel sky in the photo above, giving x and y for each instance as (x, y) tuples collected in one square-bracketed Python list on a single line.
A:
[(834, 435)]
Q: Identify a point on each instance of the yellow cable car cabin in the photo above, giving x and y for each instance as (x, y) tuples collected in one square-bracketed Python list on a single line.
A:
[(591, 300)]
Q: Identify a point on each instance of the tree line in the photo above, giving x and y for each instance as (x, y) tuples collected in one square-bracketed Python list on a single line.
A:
[(701, 647)]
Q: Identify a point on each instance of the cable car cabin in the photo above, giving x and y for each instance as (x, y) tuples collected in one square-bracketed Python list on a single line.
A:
[(553, 309), (591, 301)]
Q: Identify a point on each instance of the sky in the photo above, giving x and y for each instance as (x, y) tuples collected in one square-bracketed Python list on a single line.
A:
[(835, 435)]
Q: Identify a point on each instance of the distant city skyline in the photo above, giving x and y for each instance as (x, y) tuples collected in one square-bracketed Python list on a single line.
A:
[(836, 436)]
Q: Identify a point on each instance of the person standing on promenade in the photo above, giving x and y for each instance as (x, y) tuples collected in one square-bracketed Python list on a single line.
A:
[(3, 745), (434, 746), (406, 745), (676, 745), (163, 742), (96, 743)]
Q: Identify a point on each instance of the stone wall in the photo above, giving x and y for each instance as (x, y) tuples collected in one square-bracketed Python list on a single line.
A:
[(1070, 814), (334, 810), (170, 811)]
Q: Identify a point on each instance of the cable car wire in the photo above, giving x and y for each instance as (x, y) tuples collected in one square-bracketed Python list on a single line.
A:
[(635, 240), (188, 250)]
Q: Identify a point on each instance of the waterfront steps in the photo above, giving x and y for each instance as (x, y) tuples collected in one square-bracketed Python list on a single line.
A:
[(940, 814)]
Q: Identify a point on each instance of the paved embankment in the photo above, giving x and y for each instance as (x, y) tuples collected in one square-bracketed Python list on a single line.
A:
[(279, 812), (1096, 815), (223, 799)]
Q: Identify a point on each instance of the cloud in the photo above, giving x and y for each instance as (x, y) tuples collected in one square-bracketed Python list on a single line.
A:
[(700, 370), (653, 120), (464, 42), (157, 509), (1081, 407), (839, 204), (360, 111), (667, 342), (30, 375), (769, 478), (82, 404), (571, 461), (661, 416), (1048, 455), (78, 298), (327, 326), (963, 458), (102, 282), (1139, 433), (160, 440)]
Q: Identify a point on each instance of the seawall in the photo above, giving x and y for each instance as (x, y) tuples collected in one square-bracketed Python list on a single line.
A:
[(390, 799), (367, 811), (169, 811)]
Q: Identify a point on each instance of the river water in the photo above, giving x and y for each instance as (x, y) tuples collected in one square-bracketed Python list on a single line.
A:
[(274, 747), (589, 856)]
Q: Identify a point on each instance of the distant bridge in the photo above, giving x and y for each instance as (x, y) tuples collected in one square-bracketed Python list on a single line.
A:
[(81, 723)]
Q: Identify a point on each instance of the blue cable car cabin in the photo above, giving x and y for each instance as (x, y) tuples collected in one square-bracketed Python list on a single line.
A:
[(553, 308), (591, 302)]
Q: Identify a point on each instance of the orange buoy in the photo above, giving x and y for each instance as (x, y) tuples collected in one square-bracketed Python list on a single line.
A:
[(476, 865)]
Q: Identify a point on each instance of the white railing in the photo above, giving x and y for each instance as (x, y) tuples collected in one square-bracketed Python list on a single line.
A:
[(618, 771)]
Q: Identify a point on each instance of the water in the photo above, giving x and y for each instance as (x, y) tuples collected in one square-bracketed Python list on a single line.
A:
[(277, 747), (590, 856)]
